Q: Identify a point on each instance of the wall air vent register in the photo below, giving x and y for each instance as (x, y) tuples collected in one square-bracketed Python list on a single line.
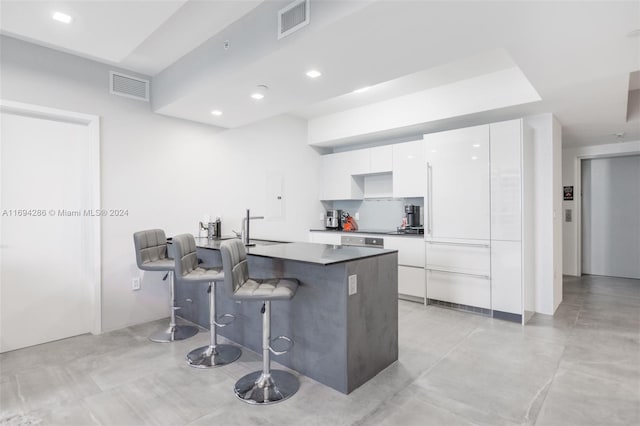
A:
[(128, 86), (293, 17)]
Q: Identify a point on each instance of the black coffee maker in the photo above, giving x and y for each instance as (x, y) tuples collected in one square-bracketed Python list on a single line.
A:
[(413, 215)]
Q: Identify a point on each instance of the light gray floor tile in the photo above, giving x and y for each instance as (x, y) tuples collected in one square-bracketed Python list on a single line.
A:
[(580, 399), (500, 369)]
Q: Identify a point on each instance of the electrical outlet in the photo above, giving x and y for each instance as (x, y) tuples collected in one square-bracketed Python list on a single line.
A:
[(353, 284), (321, 216), (135, 284), (357, 215)]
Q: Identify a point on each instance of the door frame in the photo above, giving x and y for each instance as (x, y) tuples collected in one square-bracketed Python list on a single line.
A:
[(92, 273)]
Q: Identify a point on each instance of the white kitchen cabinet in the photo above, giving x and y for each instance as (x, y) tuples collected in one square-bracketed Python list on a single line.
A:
[(411, 278), (470, 258), (410, 249), (359, 161), (512, 209), (411, 282), (321, 237), (458, 197), (458, 288), (506, 276), (337, 181), (381, 159), (409, 169), (506, 181)]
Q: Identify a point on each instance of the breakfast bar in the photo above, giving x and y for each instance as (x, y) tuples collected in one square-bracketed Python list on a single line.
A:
[(343, 320)]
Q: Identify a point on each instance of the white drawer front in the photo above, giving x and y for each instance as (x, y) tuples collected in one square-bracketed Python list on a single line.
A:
[(410, 249), (458, 288), (411, 281), (469, 258)]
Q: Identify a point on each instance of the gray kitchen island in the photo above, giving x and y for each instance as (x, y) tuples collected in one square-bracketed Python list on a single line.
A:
[(341, 340)]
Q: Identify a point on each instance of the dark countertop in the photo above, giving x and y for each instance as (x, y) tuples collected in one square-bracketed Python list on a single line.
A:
[(372, 232), (322, 254)]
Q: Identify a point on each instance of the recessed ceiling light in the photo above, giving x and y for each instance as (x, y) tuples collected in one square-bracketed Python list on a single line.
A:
[(62, 17), (260, 92), (474, 158), (362, 89), (216, 112), (476, 145), (313, 73)]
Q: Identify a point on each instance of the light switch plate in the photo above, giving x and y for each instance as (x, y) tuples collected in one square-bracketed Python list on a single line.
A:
[(135, 284), (357, 215), (353, 284)]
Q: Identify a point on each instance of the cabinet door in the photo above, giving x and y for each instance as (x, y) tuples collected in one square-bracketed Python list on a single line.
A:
[(325, 237), (358, 161), (506, 276), (458, 288), (411, 281), (458, 184), (410, 250), (409, 171), (337, 183), (506, 180), (456, 257), (381, 159)]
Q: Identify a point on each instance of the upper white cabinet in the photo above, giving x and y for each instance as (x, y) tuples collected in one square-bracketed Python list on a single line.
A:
[(372, 160), (342, 173), (337, 180), (381, 159), (458, 199), (409, 169)]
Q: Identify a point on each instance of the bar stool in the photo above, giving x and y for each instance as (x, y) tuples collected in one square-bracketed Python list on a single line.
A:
[(266, 386), (187, 270), (152, 255)]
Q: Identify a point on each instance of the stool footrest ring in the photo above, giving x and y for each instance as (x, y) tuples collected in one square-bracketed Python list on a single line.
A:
[(285, 338), (226, 323)]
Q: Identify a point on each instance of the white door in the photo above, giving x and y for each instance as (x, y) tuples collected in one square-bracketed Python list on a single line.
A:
[(458, 184), (47, 268)]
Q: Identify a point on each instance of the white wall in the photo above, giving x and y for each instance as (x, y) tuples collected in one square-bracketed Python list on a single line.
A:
[(571, 158), (167, 172), (547, 142)]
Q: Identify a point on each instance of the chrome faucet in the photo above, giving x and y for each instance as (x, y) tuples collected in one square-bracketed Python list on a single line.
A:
[(245, 228)]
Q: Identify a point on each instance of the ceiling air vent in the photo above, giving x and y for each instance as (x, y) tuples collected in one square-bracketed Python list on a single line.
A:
[(128, 86), (293, 17)]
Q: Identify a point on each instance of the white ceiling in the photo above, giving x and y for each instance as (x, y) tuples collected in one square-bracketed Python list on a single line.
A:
[(577, 55)]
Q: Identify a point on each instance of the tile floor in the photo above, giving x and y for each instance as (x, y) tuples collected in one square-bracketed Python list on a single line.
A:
[(580, 367)]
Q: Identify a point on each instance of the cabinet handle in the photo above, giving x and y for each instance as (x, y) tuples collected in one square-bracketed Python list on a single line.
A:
[(444, 243), (486, 277), (430, 199)]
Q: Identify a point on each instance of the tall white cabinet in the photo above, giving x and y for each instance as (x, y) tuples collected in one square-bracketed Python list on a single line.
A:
[(457, 217), (478, 219), (511, 220)]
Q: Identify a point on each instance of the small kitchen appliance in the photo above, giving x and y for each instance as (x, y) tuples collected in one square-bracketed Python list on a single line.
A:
[(214, 229), (333, 219), (413, 215)]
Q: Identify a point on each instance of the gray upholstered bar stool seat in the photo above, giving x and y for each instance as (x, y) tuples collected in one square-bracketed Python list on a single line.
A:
[(266, 386), (152, 255), (187, 270)]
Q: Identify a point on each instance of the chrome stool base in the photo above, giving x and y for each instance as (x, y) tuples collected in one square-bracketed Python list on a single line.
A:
[(207, 356), (175, 333), (255, 388)]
